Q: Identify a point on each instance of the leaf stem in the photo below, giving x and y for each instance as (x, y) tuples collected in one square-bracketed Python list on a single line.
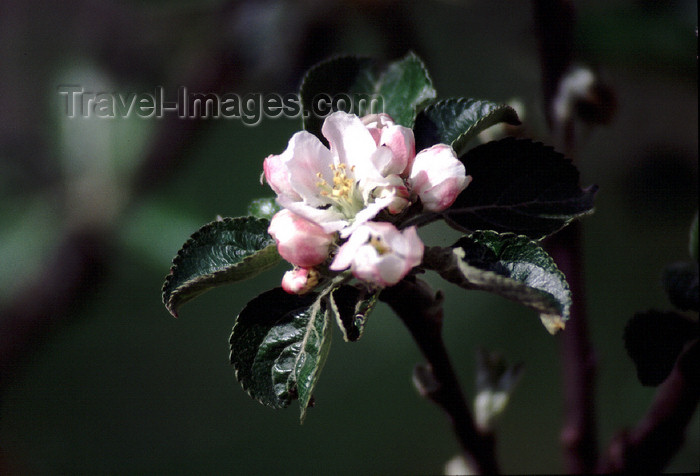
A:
[(420, 309)]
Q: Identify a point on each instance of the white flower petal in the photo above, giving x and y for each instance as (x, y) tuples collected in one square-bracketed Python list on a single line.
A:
[(328, 219), (348, 251), (391, 269), (349, 139), (305, 157), (277, 176), (402, 143)]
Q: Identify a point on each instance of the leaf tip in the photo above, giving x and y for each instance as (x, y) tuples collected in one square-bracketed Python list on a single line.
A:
[(553, 323), (172, 309)]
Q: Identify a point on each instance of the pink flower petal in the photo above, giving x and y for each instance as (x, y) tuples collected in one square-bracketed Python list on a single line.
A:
[(299, 241)]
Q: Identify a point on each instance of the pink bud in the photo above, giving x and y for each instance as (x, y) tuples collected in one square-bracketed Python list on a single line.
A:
[(299, 280), (437, 177), (299, 241)]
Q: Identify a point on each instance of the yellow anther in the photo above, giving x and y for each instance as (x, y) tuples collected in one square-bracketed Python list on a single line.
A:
[(379, 245)]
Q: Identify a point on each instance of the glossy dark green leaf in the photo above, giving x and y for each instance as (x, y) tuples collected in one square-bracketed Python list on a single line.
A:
[(654, 340), (278, 347), (351, 307), (221, 252), (680, 280), (405, 87), (345, 75), (399, 90), (263, 208), (511, 266), (457, 121), (519, 186)]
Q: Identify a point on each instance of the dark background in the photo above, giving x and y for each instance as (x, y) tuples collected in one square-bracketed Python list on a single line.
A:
[(99, 378)]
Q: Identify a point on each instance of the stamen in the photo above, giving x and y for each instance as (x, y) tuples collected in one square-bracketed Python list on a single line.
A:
[(379, 245)]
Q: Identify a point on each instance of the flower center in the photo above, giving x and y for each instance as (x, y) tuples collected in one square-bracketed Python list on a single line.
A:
[(379, 245), (343, 192)]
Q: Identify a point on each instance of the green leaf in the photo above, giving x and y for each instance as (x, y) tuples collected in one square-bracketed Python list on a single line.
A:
[(401, 89), (405, 86), (680, 280), (221, 252), (509, 265), (263, 208), (654, 340), (330, 78), (457, 121), (278, 347), (351, 307), (519, 186)]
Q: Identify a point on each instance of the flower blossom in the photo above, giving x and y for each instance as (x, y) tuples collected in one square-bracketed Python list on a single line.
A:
[(378, 253), (368, 168), (335, 193)]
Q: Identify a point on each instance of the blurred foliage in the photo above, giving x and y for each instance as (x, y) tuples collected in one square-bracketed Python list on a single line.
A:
[(123, 387)]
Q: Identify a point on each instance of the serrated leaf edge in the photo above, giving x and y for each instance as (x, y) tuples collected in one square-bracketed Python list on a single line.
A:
[(424, 98), (168, 300), (460, 142), (237, 368), (553, 321)]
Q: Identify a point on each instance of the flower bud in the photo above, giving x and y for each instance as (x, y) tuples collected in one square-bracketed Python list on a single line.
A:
[(299, 280), (299, 241), (438, 177)]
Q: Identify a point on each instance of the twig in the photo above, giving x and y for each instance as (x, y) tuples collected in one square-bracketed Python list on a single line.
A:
[(649, 447), (554, 22), (420, 309), (578, 434)]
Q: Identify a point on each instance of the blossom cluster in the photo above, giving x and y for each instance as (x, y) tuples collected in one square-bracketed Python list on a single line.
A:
[(343, 206)]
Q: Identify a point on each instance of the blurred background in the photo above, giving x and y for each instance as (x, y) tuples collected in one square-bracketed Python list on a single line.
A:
[(97, 377)]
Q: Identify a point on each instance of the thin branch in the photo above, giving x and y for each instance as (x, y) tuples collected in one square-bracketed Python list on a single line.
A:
[(554, 23), (649, 447), (578, 435), (420, 309)]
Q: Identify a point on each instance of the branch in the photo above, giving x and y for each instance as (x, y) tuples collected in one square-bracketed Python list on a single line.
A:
[(578, 435), (649, 447), (554, 22), (422, 314)]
